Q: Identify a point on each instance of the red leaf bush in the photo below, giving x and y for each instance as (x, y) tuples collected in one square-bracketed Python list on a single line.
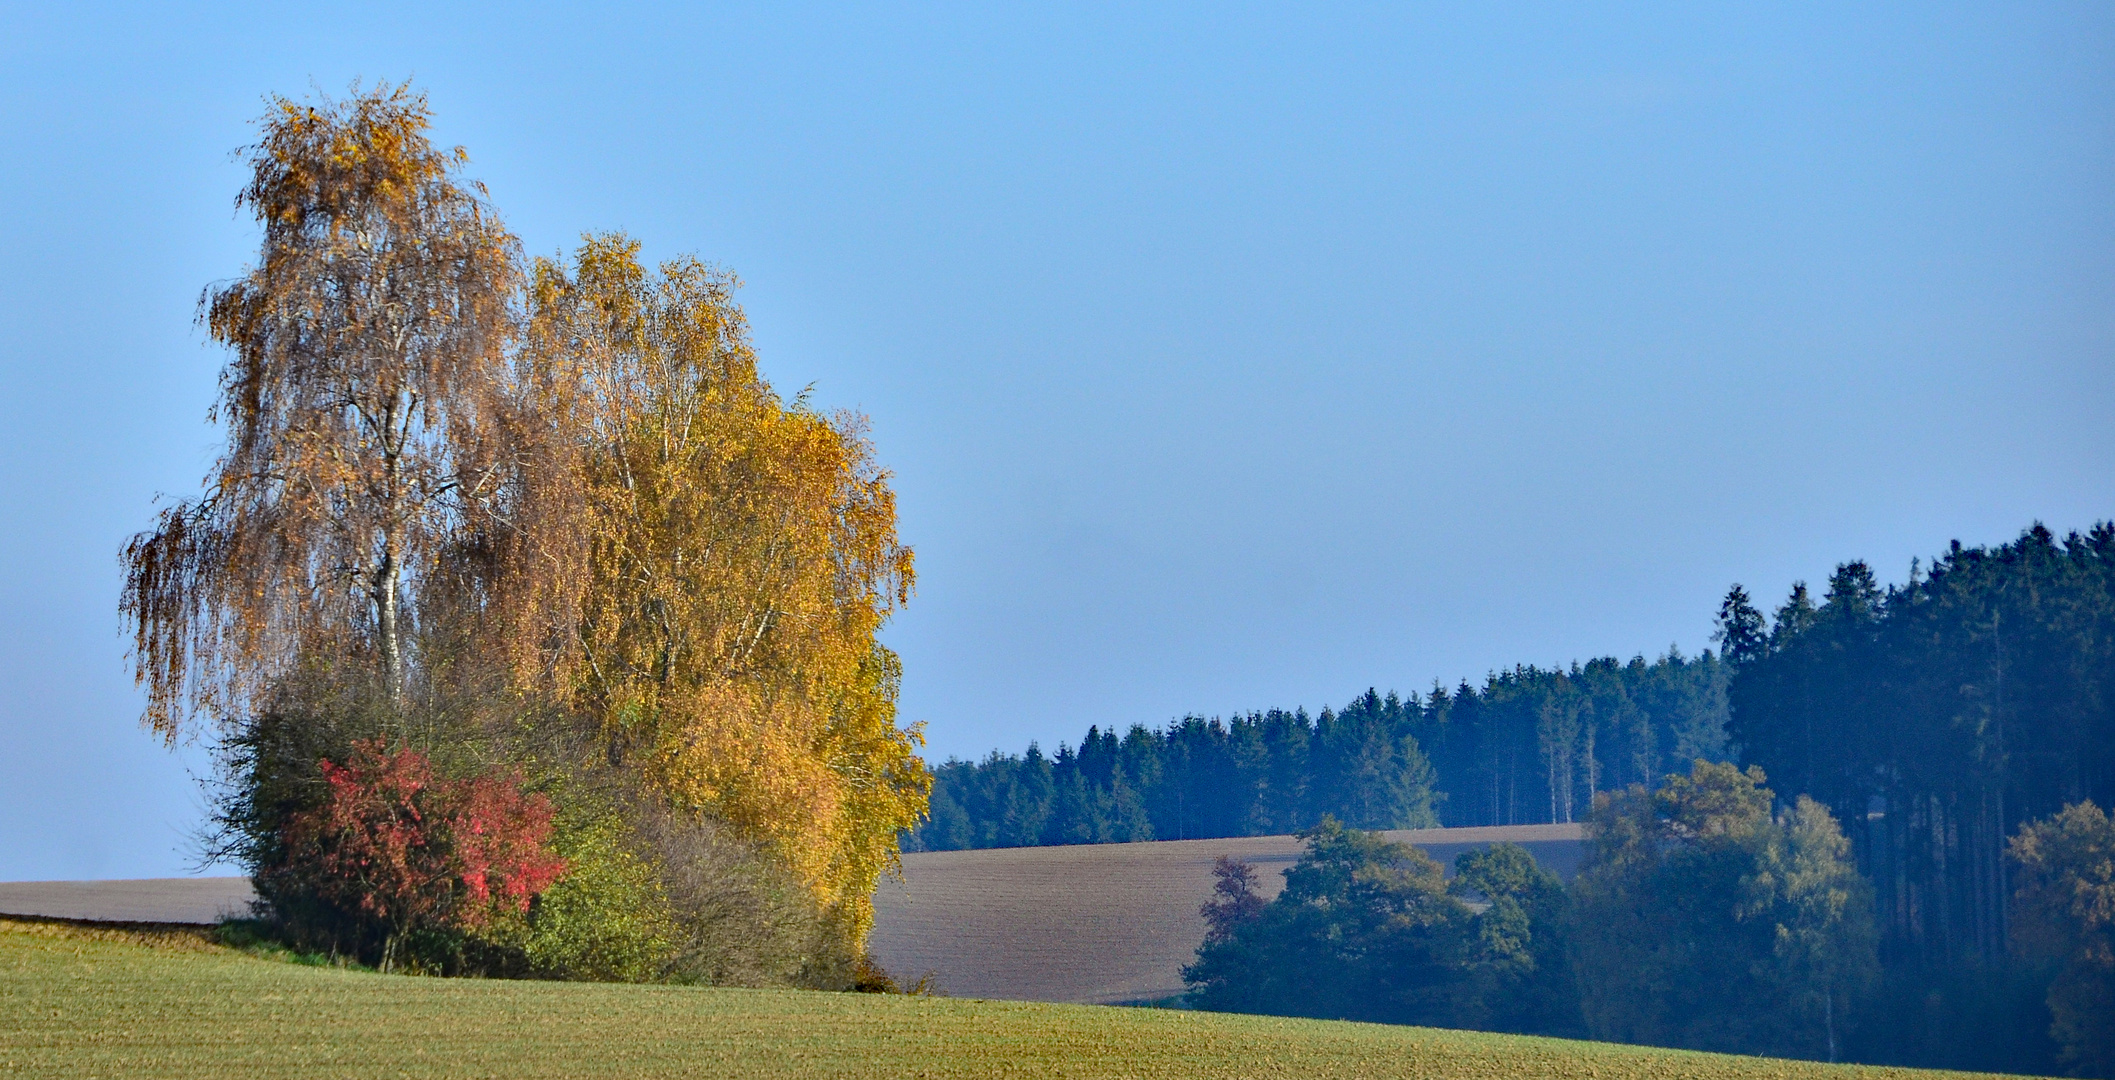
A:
[(412, 851)]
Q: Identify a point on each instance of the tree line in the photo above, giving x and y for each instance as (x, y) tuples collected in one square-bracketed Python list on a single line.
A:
[(1937, 715), (1711, 914), (535, 630), (1532, 745)]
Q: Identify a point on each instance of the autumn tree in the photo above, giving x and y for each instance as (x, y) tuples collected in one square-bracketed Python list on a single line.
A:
[(557, 522), (741, 556), (366, 409), (1235, 899), (2066, 910)]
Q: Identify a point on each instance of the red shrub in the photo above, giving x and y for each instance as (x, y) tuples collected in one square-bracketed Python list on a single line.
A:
[(499, 835), (394, 843)]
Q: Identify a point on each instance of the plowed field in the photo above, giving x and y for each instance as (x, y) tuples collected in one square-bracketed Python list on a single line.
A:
[(1100, 923)]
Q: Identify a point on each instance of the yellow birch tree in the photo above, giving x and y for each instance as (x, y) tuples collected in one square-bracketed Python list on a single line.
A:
[(741, 555)]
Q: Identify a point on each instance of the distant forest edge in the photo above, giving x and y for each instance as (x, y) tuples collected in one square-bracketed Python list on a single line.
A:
[(1531, 746), (1932, 717)]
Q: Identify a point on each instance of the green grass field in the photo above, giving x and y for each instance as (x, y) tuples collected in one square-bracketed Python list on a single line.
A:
[(92, 1002)]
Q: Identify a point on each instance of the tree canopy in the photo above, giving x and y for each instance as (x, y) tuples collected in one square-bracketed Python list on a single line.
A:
[(1709, 923), (1366, 929), (2066, 910), (740, 555)]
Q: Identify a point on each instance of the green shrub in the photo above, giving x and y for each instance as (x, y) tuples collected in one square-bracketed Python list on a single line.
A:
[(609, 920)]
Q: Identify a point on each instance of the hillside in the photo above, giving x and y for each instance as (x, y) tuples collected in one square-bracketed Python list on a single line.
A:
[(98, 1002)]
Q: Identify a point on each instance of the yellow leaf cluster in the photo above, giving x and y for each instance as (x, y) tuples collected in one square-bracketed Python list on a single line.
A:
[(740, 555)]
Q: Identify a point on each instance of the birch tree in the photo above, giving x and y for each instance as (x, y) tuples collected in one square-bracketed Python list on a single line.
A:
[(366, 412), (741, 556)]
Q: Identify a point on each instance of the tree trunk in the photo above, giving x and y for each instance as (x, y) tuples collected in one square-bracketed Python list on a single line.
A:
[(390, 569), (386, 580), (1828, 1020)]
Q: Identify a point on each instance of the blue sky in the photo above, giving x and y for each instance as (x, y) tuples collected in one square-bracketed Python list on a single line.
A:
[(1227, 356)]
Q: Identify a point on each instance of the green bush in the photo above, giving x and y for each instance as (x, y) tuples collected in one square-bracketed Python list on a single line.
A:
[(1371, 930), (609, 919)]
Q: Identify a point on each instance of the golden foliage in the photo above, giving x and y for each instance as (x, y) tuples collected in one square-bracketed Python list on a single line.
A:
[(741, 555), (2065, 911), (366, 410)]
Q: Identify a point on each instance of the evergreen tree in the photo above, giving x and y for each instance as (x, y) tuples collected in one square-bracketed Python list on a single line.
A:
[(1742, 633)]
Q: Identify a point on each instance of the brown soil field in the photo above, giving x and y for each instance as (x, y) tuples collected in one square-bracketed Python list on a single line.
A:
[(147, 900), (1101, 923)]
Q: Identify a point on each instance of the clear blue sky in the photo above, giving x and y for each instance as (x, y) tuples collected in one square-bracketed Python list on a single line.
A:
[(1227, 356)]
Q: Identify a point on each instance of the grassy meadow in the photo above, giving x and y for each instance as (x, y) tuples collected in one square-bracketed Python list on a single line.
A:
[(82, 1001)]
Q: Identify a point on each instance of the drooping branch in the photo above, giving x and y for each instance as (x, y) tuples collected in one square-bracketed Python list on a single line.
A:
[(368, 379)]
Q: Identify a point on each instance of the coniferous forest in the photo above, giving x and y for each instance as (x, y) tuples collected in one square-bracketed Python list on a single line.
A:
[(1531, 745), (1946, 723)]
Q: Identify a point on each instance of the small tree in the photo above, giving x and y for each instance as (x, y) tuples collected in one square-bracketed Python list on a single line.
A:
[(1519, 957), (1364, 930), (2066, 913), (1370, 930), (1825, 948), (1234, 901), (394, 845)]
